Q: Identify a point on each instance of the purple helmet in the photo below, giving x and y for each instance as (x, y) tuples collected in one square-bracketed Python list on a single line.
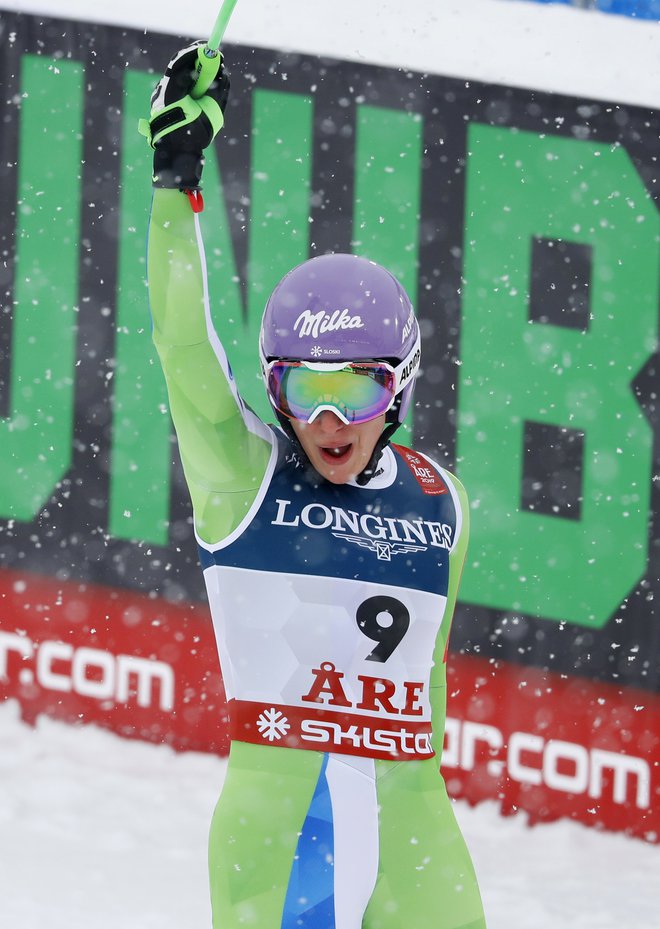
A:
[(343, 308)]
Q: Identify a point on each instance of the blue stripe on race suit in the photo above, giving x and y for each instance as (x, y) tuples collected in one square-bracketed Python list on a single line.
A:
[(310, 902)]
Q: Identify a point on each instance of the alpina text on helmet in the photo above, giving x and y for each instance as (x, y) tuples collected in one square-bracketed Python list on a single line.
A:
[(407, 329), (410, 368)]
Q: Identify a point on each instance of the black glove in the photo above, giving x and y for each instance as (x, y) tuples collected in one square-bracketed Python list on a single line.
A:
[(180, 127)]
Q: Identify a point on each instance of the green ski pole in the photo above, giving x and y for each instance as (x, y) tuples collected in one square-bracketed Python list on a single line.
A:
[(209, 58)]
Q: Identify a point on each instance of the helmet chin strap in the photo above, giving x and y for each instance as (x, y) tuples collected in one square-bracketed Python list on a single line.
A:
[(371, 467), (391, 425)]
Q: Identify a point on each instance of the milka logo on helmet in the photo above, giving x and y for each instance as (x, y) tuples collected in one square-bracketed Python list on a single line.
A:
[(315, 324)]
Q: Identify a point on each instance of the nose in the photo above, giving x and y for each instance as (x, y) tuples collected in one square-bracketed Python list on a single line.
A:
[(328, 422)]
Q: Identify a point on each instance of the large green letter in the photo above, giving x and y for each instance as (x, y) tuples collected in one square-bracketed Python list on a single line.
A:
[(388, 166), (141, 454), (279, 212), (36, 439), (523, 187), (278, 232)]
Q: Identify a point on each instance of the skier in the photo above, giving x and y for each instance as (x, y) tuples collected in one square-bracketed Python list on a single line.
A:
[(332, 560)]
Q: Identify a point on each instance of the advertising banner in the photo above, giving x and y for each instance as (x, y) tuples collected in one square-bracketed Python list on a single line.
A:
[(525, 228)]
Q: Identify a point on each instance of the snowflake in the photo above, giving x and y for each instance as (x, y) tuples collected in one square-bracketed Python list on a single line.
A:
[(272, 724), (316, 351)]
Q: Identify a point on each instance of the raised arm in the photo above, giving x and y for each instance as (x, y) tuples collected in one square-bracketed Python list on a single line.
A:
[(224, 447)]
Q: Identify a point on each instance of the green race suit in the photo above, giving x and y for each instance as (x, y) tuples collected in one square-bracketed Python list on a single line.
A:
[(333, 814)]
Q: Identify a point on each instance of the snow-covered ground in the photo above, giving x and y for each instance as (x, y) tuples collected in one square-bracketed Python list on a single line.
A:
[(97, 832)]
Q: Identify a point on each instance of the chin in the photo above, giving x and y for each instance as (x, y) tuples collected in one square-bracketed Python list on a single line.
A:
[(337, 479), (336, 475)]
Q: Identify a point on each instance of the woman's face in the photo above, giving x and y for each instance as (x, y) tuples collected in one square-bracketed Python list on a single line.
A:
[(339, 452)]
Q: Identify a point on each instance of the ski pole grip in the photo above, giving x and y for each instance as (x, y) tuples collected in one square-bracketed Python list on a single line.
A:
[(209, 57), (208, 65)]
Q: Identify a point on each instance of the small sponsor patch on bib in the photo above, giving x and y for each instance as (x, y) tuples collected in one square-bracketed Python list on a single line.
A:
[(425, 475)]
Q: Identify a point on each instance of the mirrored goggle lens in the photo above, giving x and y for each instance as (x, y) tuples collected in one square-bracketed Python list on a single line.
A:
[(357, 392)]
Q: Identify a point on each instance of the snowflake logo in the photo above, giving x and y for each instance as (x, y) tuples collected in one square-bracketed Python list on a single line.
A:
[(316, 351), (272, 724)]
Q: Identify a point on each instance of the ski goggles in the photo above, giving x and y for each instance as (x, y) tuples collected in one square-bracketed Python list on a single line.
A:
[(355, 392)]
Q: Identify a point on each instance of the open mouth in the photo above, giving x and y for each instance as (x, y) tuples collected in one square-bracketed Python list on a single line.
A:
[(335, 454)]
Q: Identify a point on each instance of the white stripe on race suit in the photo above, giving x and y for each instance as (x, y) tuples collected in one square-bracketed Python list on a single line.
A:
[(352, 784)]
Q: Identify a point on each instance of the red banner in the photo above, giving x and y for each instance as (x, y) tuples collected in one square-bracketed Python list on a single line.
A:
[(554, 746), (145, 668)]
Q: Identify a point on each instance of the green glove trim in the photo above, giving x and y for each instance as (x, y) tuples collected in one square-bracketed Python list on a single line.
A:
[(179, 114), (213, 113)]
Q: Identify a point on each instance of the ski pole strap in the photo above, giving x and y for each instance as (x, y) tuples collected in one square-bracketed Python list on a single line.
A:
[(196, 200)]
